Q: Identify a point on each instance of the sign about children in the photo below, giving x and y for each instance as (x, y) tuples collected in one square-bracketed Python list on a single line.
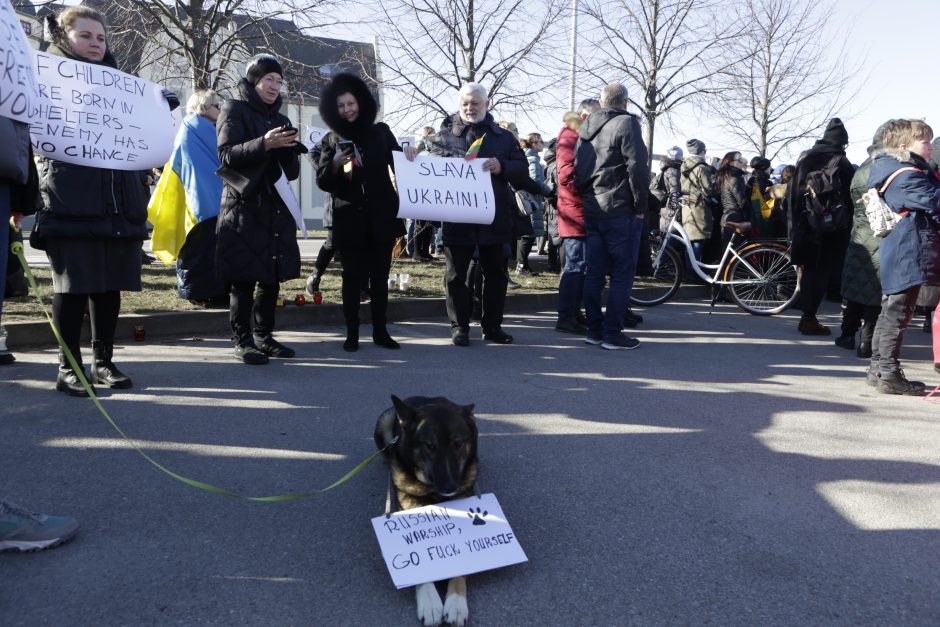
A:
[(96, 116), (438, 542), (17, 79), (437, 188)]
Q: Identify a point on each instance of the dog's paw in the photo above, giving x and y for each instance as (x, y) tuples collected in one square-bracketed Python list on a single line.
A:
[(430, 608), (456, 610)]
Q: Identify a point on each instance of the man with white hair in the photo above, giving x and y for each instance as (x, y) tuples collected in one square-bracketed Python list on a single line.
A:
[(504, 160), (612, 177)]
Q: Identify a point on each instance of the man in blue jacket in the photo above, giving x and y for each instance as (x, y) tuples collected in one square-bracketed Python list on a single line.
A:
[(612, 176)]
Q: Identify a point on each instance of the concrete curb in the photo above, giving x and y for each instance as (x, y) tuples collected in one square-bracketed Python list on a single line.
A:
[(215, 322)]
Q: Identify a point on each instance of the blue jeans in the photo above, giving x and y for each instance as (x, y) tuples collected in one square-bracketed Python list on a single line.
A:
[(571, 284), (612, 246)]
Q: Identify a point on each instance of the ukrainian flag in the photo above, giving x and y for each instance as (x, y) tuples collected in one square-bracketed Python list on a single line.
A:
[(189, 190)]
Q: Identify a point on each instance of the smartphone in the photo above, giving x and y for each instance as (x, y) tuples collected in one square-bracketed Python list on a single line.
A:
[(290, 130), (344, 145)]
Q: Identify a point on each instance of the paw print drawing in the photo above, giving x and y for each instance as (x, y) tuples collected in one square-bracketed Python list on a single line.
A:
[(477, 516)]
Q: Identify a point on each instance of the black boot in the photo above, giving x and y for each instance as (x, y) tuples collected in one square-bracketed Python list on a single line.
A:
[(351, 345), (380, 337), (67, 381), (313, 282), (104, 372)]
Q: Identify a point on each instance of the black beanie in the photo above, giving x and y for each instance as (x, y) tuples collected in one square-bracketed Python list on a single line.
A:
[(835, 134), (760, 163), (261, 66)]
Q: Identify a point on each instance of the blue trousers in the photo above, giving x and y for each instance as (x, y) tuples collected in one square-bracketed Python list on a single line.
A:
[(571, 284), (612, 246)]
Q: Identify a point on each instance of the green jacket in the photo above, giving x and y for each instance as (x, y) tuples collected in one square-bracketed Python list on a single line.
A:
[(861, 279), (697, 180)]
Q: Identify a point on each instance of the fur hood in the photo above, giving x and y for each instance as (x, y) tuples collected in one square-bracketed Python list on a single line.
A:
[(368, 107), (903, 156)]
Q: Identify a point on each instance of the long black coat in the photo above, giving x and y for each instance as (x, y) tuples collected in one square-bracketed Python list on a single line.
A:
[(453, 140), (257, 233)]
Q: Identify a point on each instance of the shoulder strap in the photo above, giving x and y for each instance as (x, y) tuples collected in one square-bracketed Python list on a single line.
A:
[(894, 175)]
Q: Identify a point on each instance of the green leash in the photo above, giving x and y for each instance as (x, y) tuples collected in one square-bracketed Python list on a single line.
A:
[(17, 249)]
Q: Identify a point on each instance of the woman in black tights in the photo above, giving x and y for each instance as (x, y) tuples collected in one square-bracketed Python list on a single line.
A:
[(91, 226)]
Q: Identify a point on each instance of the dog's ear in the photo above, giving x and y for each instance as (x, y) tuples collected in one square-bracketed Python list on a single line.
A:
[(406, 413), (467, 411)]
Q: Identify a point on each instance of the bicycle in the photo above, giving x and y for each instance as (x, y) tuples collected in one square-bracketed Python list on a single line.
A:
[(758, 273)]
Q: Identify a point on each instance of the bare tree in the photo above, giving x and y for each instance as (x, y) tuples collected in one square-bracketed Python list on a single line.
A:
[(790, 83), (431, 47), (203, 44), (667, 50)]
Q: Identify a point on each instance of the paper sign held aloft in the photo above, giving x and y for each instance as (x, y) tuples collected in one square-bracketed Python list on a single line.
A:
[(447, 540), (438, 188)]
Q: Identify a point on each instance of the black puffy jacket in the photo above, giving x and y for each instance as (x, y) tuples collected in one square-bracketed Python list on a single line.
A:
[(86, 202), (365, 205), (257, 233)]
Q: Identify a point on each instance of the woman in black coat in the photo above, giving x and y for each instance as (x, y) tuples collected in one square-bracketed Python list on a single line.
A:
[(354, 167), (257, 234), (91, 225)]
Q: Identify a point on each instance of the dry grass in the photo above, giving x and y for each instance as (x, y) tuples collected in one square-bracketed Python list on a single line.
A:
[(159, 288)]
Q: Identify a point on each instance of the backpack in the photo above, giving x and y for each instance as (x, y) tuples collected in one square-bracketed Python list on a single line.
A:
[(881, 218), (658, 187), (824, 203)]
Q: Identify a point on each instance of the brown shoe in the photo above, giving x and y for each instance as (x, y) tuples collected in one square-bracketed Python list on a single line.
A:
[(811, 326)]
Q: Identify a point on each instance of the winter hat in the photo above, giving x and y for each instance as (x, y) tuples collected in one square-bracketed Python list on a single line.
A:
[(835, 134), (695, 146), (261, 66), (760, 163), (674, 153)]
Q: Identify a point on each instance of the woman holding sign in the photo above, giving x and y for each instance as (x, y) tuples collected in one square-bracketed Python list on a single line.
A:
[(91, 226), (354, 165), (257, 245)]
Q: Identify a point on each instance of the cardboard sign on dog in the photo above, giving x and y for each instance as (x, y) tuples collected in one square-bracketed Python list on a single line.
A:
[(447, 540), (438, 188)]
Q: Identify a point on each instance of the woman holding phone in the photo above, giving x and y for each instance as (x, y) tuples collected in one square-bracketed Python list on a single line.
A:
[(355, 160), (257, 246)]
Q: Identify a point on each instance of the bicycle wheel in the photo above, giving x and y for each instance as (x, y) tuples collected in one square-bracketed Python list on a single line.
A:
[(763, 281), (661, 284)]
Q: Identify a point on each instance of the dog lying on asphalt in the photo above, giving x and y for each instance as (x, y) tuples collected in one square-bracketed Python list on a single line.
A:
[(434, 460)]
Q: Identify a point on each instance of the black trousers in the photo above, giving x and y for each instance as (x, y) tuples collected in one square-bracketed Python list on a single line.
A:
[(365, 262), (824, 261), (457, 294), (252, 313), (853, 314)]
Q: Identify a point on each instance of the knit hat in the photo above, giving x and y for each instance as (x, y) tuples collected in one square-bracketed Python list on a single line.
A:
[(261, 66), (760, 163), (674, 153), (835, 134), (695, 146)]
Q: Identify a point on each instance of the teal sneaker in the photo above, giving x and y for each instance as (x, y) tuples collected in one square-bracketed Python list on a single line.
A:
[(22, 530)]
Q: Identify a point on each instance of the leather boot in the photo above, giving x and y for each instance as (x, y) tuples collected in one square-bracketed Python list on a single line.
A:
[(67, 381), (104, 372)]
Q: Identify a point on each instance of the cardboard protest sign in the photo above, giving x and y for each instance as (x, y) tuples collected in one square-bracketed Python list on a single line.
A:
[(437, 188), (18, 89), (438, 542), (283, 189), (96, 116)]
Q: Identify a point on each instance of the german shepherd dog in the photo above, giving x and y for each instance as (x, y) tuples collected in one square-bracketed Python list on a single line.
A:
[(434, 460)]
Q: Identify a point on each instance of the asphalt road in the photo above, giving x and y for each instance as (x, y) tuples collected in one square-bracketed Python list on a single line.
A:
[(728, 472)]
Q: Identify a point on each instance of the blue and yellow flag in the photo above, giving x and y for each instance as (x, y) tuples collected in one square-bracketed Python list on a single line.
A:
[(189, 190)]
